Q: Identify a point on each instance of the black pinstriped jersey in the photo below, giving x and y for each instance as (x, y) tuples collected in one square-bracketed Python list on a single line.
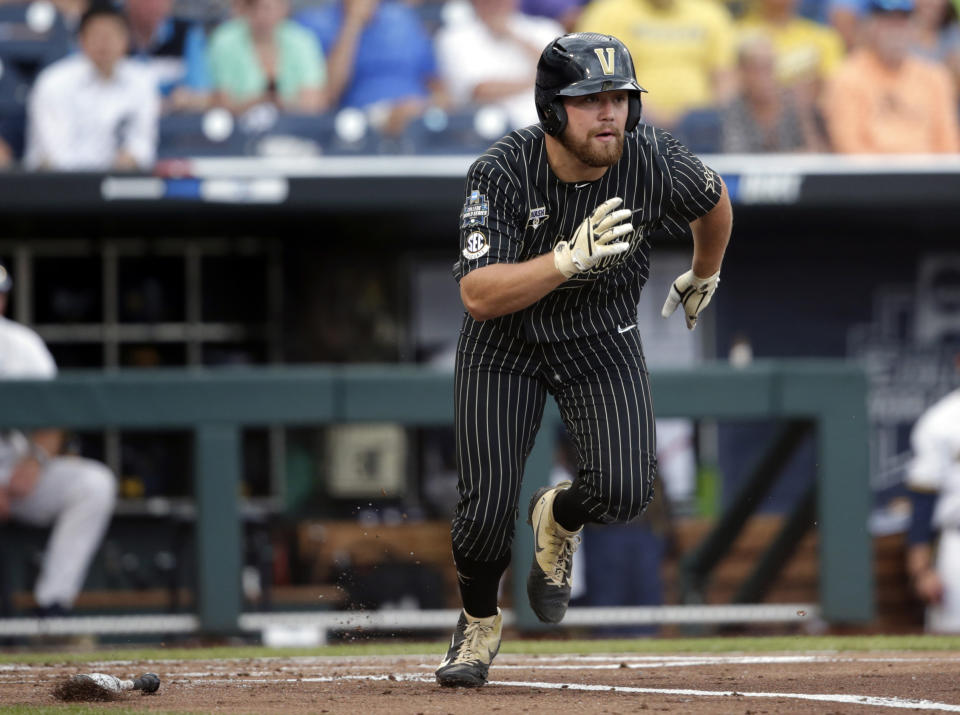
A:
[(517, 209)]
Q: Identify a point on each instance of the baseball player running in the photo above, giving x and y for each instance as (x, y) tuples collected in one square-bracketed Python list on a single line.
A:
[(554, 251), (933, 481), (38, 487)]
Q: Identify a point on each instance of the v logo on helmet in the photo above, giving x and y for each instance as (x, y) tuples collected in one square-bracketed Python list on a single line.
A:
[(607, 61)]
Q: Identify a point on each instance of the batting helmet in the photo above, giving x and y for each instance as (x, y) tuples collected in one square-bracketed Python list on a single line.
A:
[(583, 63), (6, 282)]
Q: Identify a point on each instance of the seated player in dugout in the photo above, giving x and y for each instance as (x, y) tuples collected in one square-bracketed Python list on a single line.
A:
[(42, 487), (554, 251)]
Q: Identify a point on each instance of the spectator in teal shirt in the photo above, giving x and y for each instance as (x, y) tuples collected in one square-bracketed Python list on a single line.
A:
[(261, 56), (381, 59)]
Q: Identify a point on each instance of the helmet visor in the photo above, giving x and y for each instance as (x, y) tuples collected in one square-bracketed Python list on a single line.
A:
[(592, 85)]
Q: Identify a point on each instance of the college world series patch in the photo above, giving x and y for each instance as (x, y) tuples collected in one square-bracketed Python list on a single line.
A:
[(475, 211), (476, 245)]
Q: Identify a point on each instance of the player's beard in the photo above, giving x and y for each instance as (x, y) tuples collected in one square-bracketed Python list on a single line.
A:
[(596, 155)]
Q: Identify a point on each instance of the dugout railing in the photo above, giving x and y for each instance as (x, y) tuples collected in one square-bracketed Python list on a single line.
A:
[(217, 404)]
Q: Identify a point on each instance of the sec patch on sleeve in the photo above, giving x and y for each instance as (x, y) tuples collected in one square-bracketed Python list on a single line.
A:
[(476, 245)]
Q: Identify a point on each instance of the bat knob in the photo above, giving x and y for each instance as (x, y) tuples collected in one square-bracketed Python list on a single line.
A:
[(148, 683)]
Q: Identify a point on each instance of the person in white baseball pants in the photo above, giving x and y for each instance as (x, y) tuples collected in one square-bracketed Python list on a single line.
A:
[(74, 495), (933, 553)]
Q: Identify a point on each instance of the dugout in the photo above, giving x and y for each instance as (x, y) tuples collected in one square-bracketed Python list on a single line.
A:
[(218, 262)]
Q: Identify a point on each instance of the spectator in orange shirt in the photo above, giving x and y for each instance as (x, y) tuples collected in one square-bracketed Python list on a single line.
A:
[(883, 100)]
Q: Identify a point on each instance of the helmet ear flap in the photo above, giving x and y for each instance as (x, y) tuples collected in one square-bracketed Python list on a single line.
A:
[(634, 109), (556, 119)]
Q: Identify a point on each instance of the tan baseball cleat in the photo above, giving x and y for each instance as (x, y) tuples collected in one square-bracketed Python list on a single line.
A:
[(474, 644), (549, 581)]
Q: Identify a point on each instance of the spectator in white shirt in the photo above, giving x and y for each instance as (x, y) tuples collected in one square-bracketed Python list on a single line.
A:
[(95, 110), (490, 55)]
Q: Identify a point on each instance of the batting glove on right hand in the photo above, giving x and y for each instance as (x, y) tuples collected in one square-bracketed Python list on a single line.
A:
[(592, 241), (693, 292)]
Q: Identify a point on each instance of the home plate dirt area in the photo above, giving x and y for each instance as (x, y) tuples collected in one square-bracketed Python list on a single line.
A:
[(816, 682)]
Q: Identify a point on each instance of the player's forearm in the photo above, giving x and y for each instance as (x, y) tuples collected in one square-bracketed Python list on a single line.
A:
[(44, 444), (503, 288), (711, 234), (341, 60), (919, 559), (924, 578)]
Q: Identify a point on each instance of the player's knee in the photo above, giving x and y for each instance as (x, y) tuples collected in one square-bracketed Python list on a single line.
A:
[(626, 498), (641, 498), (97, 483)]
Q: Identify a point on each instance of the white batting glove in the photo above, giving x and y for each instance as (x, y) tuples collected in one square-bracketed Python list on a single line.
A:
[(693, 292), (592, 241)]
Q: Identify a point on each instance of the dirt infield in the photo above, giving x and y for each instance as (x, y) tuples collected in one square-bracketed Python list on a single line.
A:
[(736, 683)]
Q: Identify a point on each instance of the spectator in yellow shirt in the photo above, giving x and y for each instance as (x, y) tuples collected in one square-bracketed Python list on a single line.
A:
[(806, 51), (883, 100), (683, 50)]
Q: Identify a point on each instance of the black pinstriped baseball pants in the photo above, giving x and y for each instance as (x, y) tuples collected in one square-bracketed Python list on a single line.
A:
[(602, 388)]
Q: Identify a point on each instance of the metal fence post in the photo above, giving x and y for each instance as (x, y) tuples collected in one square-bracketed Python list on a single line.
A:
[(837, 395), (844, 500), (218, 529)]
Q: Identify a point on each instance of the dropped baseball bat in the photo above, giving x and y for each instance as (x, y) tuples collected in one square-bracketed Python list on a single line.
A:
[(148, 682)]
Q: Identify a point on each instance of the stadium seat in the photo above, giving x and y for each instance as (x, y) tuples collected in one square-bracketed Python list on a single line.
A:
[(336, 133), (290, 135), (32, 35), (183, 135), (700, 130), (438, 132), (264, 134)]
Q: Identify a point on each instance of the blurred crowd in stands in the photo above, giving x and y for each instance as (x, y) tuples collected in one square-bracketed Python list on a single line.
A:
[(90, 85)]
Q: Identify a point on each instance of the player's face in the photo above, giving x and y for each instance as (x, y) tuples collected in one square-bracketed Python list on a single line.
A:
[(595, 127)]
